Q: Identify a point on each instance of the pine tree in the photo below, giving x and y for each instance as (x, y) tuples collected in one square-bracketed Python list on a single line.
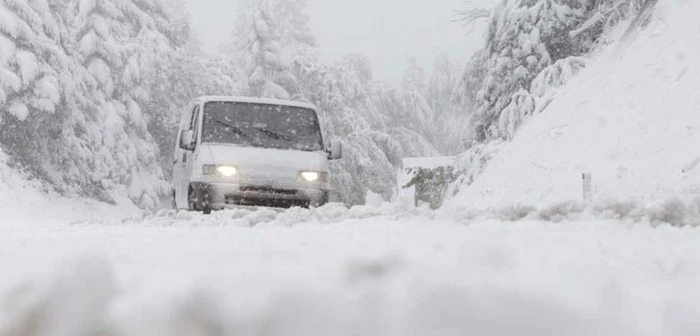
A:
[(72, 82), (36, 84), (524, 38), (270, 34), (418, 112), (449, 114)]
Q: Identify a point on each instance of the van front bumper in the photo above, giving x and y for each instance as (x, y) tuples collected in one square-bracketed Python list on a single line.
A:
[(224, 195)]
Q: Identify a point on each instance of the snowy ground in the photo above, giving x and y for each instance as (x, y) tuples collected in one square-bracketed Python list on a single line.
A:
[(515, 254), (383, 270)]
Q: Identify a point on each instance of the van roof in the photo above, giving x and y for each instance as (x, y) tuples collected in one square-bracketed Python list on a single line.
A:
[(254, 100)]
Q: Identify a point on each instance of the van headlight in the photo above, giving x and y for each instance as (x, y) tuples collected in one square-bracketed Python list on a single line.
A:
[(312, 176), (225, 171)]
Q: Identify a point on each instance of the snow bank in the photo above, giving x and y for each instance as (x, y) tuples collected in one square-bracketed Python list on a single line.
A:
[(332, 213), (27, 202), (630, 119), (389, 278), (673, 211), (74, 302)]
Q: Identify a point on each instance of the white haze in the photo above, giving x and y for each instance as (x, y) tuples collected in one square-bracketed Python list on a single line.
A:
[(389, 32)]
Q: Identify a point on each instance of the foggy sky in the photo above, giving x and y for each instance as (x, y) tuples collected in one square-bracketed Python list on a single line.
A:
[(388, 31)]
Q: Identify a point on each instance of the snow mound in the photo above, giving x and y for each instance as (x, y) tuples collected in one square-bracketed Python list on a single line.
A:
[(380, 297), (271, 217), (630, 119), (74, 302), (674, 211), (27, 202), (489, 279)]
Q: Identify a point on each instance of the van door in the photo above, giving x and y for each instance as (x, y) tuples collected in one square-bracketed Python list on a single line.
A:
[(191, 155), (178, 159), (182, 172)]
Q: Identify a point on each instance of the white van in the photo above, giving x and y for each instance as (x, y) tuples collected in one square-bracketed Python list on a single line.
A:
[(234, 151)]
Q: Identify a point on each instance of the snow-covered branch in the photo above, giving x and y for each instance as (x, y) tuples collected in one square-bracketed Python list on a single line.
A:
[(471, 15)]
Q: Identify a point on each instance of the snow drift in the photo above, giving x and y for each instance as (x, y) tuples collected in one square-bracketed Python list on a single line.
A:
[(27, 202), (360, 277), (630, 119)]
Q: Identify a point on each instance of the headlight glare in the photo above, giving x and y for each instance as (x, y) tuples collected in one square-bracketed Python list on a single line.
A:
[(310, 176), (227, 171)]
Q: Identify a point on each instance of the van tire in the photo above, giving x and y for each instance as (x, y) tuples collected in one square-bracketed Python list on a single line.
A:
[(325, 198), (191, 199), (197, 200), (174, 200)]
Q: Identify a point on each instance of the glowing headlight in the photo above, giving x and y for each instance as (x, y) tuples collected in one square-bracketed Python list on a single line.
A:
[(310, 176), (227, 171)]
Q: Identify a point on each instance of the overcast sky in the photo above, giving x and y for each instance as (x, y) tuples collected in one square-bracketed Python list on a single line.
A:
[(388, 31)]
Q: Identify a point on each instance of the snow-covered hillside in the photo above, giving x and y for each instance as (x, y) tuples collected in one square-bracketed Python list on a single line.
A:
[(631, 119)]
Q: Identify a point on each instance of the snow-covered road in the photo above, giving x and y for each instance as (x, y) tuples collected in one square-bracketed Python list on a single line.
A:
[(366, 271)]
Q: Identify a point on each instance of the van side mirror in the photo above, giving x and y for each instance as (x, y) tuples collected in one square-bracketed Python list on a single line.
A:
[(187, 140), (336, 150)]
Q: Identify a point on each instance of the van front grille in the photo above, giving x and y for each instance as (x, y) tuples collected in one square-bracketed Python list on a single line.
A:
[(267, 190), (267, 202)]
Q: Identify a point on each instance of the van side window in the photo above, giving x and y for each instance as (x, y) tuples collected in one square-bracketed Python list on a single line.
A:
[(195, 122)]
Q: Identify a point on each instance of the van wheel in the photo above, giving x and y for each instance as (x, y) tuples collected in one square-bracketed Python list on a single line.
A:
[(197, 200), (325, 198), (192, 199)]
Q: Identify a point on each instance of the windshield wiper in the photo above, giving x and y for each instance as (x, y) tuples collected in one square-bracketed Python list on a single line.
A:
[(278, 136), (235, 129), (274, 135)]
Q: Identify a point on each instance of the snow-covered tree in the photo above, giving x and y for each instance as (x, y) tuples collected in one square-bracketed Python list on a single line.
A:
[(418, 114), (424, 112), (449, 112), (442, 84), (525, 37), (294, 24), (528, 37), (606, 14), (72, 89), (470, 81), (117, 41), (393, 107), (269, 35)]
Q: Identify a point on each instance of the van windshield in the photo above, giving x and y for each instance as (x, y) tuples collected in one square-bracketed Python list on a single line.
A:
[(261, 125)]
